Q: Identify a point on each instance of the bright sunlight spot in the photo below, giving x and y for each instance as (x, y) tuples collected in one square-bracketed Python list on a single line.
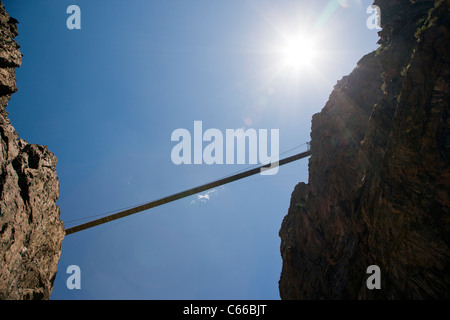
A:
[(299, 52)]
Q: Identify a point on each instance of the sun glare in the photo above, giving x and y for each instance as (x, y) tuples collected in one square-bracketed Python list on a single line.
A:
[(299, 52)]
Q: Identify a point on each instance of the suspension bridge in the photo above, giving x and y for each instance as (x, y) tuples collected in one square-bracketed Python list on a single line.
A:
[(186, 193)]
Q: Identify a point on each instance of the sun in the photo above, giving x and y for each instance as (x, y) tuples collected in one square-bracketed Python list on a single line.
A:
[(299, 52)]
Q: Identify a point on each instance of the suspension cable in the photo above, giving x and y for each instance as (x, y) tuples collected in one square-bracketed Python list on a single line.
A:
[(184, 194)]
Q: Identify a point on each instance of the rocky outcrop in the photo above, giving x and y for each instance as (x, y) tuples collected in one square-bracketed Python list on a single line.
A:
[(379, 174), (30, 229)]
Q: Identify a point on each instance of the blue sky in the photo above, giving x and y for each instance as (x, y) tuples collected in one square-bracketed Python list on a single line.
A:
[(105, 100)]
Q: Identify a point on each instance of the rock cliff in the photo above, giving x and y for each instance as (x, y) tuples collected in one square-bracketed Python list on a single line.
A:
[(379, 174), (30, 229)]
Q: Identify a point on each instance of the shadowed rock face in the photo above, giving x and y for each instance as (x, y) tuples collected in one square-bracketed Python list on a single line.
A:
[(379, 177), (30, 229)]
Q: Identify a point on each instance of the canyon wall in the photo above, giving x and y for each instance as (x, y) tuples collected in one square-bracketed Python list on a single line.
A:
[(31, 232), (379, 174)]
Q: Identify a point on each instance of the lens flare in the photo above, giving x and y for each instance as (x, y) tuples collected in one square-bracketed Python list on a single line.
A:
[(299, 52), (344, 3)]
